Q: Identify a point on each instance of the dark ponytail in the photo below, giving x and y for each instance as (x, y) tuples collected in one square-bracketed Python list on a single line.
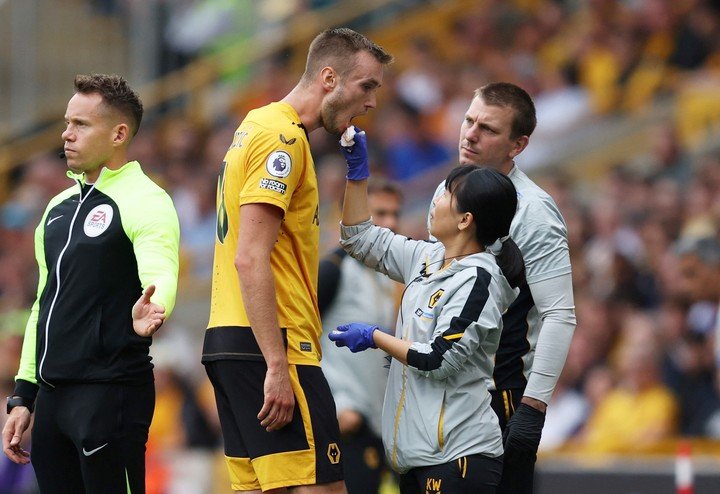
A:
[(492, 199), (511, 263)]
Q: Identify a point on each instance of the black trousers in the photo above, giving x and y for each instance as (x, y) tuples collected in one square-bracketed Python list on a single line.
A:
[(518, 474), (474, 474), (90, 438)]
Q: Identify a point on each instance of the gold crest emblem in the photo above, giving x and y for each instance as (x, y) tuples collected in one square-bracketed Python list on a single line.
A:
[(333, 453), (435, 297)]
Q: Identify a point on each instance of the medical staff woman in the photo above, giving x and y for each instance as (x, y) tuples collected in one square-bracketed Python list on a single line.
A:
[(439, 430)]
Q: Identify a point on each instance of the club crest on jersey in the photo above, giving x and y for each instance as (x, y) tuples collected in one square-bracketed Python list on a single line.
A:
[(435, 297), (98, 220), (333, 453), (278, 164)]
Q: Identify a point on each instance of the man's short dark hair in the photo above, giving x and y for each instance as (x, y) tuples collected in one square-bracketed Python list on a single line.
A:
[(116, 93), (515, 97), (336, 47)]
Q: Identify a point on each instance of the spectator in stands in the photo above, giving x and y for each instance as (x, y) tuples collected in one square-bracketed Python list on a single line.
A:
[(410, 146), (419, 84), (693, 363), (640, 412), (197, 230), (567, 410), (668, 158), (184, 432)]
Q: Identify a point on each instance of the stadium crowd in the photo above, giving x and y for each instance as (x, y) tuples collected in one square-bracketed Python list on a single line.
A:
[(645, 340)]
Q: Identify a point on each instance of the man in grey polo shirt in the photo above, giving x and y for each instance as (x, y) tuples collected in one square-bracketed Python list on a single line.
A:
[(539, 325)]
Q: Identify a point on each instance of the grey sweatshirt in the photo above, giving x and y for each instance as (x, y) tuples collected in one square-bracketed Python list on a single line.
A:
[(437, 408)]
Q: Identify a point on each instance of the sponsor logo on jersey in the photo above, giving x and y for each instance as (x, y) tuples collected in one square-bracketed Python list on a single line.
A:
[(286, 141), (435, 297), (333, 453), (305, 346), (278, 164), (274, 185), (98, 220)]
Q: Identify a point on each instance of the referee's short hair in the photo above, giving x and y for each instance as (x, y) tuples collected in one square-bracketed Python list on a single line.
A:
[(116, 94)]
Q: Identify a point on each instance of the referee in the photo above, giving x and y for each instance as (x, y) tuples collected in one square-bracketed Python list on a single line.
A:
[(107, 252)]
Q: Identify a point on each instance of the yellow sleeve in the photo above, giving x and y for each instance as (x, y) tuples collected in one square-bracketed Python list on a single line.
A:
[(273, 168)]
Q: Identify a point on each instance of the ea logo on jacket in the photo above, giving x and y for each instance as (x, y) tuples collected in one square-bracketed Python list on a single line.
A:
[(98, 220)]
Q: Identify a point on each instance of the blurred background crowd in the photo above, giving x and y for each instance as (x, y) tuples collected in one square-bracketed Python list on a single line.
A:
[(628, 100)]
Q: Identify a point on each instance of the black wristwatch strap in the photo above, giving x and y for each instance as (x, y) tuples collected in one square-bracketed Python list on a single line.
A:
[(19, 401)]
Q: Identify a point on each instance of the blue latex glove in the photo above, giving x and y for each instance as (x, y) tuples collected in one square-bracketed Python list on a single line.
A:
[(356, 155), (356, 336)]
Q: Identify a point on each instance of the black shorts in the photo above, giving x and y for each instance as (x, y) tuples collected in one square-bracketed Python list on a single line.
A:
[(474, 474), (304, 452)]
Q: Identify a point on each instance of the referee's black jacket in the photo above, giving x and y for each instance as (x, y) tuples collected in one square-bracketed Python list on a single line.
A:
[(97, 247)]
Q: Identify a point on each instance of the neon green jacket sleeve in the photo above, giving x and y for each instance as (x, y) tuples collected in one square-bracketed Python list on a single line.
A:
[(151, 223)]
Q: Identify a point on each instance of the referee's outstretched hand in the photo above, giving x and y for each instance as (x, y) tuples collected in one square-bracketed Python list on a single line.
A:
[(277, 410), (147, 317)]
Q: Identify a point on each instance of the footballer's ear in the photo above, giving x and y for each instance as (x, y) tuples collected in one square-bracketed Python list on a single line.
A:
[(329, 78)]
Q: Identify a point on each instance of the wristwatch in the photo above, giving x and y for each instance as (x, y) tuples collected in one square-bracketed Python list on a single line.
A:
[(19, 401)]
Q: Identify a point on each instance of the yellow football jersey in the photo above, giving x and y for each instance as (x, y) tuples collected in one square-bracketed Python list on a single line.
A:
[(268, 162)]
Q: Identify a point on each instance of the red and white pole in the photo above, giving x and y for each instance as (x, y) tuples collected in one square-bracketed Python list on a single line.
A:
[(684, 469)]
